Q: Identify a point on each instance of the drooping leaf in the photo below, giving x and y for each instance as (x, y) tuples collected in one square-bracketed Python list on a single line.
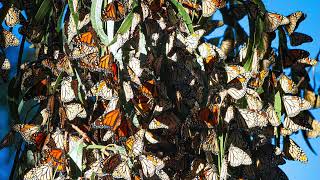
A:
[(184, 14), (277, 104), (95, 16), (43, 11)]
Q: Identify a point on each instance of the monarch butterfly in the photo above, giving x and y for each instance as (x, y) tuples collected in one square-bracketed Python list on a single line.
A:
[(112, 162), (272, 116), (155, 124), (308, 61), (142, 104), (293, 55), (277, 173), (124, 130), (287, 85), (114, 11), (128, 90), (134, 64), (162, 175), (224, 169), (149, 89), (135, 143), (191, 42), (134, 78), (67, 92), (209, 7), (30, 133), (236, 138), (229, 114), (55, 157), (39, 91), (149, 136), (273, 21), (122, 171), (283, 132), (238, 11), (315, 132), (47, 63), (58, 138), (237, 157), (112, 105), (210, 142), (110, 120), (253, 100), (190, 5), (254, 118), (12, 17), (210, 116), (208, 53), (6, 64), (74, 110), (64, 65), (102, 90), (292, 126), (86, 37), (42, 172), (238, 86), (234, 71), (166, 120), (96, 169), (150, 164), (236, 93), (258, 79), (108, 135), (295, 19), (105, 63), (84, 50), (297, 38), (70, 28), (293, 151), (294, 105), (9, 39)]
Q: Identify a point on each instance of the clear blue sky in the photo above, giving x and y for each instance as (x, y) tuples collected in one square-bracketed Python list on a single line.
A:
[(310, 26)]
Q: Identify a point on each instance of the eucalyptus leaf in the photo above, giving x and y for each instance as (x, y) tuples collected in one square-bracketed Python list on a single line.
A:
[(277, 104), (43, 11), (95, 16), (185, 16)]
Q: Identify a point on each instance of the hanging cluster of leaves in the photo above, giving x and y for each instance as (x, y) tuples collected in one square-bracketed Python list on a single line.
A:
[(133, 90)]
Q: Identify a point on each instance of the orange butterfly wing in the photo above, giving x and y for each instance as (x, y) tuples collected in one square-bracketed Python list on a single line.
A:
[(55, 156), (114, 11), (111, 120)]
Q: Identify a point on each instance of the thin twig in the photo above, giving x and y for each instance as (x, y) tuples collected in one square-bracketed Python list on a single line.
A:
[(83, 134)]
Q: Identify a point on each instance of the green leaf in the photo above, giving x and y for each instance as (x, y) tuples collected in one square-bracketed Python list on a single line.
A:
[(95, 16), (277, 104), (184, 14), (57, 82), (116, 149), (125, 26), (43, 11), (95, 147)]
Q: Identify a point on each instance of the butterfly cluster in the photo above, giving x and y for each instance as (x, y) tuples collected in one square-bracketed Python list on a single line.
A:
[(159, 100)]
